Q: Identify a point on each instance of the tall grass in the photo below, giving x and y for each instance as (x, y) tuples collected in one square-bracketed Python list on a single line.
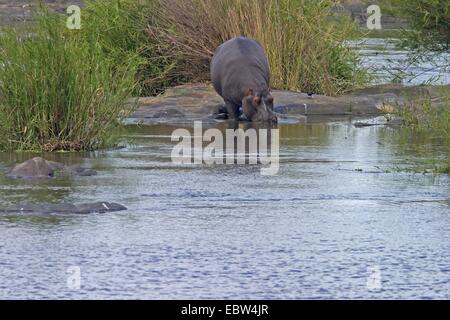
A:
[(60, 89), (66, 90), (120, 26), (304, 44)]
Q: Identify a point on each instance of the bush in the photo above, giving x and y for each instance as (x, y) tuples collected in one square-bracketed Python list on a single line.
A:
[(305, 45), (429, 23), (60, 89)]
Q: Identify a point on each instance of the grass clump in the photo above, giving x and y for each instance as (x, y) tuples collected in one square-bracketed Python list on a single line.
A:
[(427, 125), (60, 89), (304, 43)]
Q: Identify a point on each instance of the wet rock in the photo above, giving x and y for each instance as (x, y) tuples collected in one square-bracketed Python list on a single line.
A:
[(64, 208), (199, 102), (364, 124), (34, 168), (41, 168)]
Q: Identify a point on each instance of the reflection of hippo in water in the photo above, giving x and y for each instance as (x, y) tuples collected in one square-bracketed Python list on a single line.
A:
[(240, 74)]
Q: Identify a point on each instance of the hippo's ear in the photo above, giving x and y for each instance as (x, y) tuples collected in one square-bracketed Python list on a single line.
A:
[(248, 92)]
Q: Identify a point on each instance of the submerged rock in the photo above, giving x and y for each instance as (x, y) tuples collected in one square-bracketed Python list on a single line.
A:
[(64, 208), (40, 168), (83, 172)]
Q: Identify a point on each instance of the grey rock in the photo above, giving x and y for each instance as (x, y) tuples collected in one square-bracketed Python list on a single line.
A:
[(34, 168), (64, 208), (41, 168), (83, 172)]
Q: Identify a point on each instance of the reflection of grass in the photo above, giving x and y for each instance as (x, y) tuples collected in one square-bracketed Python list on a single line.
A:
[(429, 120), (428, 125)]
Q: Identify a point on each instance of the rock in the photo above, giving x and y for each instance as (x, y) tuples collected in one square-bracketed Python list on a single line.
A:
[(398, 122), (55, 165), (100, 207), (364, 124), (199, 102), (83, 172), (41, 168), (64, 208), (34, 168), (169, 113)]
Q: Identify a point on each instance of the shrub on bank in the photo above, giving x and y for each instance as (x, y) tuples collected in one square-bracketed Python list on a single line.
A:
[(59, 89)]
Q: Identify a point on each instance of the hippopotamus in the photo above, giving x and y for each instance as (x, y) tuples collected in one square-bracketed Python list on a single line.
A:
[(241, 76)]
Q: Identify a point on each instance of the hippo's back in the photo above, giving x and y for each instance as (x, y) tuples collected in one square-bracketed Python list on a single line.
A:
[(237, 63)]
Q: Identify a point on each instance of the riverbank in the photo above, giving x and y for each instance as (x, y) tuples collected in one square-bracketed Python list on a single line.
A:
[(199, 102)]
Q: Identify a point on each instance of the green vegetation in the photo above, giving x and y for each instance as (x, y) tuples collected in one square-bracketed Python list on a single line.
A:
[(120, 27), (305, 45), (59, 89), (64, 89)]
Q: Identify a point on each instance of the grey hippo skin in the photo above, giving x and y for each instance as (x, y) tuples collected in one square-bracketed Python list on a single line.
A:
[(240, 74)]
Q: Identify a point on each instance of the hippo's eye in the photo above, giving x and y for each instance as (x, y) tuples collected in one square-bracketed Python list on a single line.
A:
[(269, 99)]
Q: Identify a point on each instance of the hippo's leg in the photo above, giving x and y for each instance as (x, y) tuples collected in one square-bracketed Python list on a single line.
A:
[(233, 110), (222, 109)]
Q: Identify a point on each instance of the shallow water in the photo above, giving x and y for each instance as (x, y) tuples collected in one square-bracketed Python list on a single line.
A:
[(386, 62), (316, 230)]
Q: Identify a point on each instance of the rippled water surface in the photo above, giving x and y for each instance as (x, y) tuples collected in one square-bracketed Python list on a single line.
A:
[(387, 63), (335, 212)]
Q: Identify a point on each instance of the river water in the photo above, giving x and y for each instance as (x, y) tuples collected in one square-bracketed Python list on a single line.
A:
[(336, 222)]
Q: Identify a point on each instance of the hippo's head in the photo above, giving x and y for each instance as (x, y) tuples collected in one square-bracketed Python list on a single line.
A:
[(258, 106)]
